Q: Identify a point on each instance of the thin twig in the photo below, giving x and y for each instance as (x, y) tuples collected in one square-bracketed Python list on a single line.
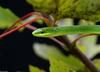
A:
[(17, 28), (82, 36)]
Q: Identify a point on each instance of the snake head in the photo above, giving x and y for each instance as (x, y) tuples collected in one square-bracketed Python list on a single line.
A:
[(49, 32), (41, 32)]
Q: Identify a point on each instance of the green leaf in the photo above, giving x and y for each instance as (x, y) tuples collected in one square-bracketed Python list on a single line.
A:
[(97, 63), (7, 18), (81, 9), (70, 62), (58, 61), (46, 6), (59, 66), (35, 69)]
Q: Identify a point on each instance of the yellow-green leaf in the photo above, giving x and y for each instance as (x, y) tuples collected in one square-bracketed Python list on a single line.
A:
[(81, 9), (58, 61), (97, 63), (7, 18), (35, 69)]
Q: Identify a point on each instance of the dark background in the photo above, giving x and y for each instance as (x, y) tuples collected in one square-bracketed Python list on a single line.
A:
[(16, 51)]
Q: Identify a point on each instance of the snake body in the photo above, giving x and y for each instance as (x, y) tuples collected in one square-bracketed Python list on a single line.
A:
[(58, 31)]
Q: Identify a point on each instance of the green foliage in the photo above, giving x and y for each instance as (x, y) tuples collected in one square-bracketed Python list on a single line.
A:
[(58, 61), (97, 63), (47, 6), (68, 64), (34, 69), (84, 9), (88, 9), (59, 66), (7, 18)]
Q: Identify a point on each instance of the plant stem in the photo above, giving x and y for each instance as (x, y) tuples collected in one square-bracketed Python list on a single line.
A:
[(76, 52), (82, 36), (17, 28)]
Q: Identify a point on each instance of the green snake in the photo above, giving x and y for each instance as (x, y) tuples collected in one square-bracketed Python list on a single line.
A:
[(59, 31)]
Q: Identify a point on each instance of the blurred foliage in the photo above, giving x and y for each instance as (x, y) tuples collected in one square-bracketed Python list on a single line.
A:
[(97, 63), (7, 18), (58, 61), (47, 6), (82, 9), (35, 69)]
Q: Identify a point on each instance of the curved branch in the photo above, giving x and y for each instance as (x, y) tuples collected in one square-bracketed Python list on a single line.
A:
[(82, 36)]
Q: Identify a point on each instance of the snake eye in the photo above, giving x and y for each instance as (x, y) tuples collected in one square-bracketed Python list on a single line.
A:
[(42, 32)]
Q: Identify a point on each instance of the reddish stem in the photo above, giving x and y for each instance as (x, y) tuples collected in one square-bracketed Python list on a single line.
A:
[(17, 28), (31, 27), (24, 17), (82, 36)]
